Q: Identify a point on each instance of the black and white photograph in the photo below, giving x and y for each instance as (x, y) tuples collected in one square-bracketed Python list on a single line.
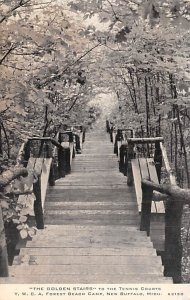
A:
[(95, 149)]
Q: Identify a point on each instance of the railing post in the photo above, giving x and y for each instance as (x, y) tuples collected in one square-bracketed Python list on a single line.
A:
[(121, 159), (52, 174), (4, 272), (158, 159), (61, 162), (130, 155), (111, 134), (38, 211), (118, 138), (78, 145), (107, 126), (173, 245), (48, 150), (83, 135), (147, 194), (26, 153)]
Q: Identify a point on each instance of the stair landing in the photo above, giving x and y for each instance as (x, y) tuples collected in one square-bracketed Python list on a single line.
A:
[(92, 228)]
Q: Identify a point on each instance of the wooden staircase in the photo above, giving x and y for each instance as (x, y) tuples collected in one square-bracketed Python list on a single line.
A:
[(92, 228)]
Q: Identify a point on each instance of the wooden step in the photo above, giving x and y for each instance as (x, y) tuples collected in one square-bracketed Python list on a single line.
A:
[(91, 232), (93, 186), (90, 279), (85, 269), (90, 169), (92, 176), (95, 163), (78, 221), (130, 234), (125, 238), (106, 205), (93, 214), (88, 228), (92, 194), (86, 260), (88, 242), (54, 251), (107, 183), (94, 236)]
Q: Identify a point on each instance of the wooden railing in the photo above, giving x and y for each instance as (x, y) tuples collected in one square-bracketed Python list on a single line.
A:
[(131, 153), (5, 179), (152, 189), (46, 159), (173, 197)]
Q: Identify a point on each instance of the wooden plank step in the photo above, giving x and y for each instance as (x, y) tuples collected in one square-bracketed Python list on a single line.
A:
[(75, 230), (143, 251), (91, 167), (90, 198), (106, 194), (90, 279), (86, 170), (95, 161), (105, 191), (86, 260), (97, 164), (85, 269), (111, 221), (90, 229), (98, 229), (93, 213), (105, 174), (92, 176), (93, 186), (103, 157), (91, 238), (98, 150), (91, 183), (97, 156), (87, 242), (102, 173), (106, 205), (107, 235), (98, 143)]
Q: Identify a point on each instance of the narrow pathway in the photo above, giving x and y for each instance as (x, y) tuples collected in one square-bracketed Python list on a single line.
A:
[(92, 228)]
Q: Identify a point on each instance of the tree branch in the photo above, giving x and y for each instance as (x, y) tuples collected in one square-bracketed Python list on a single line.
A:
[(10, 175), (68, 66), (7, 53), (9, 13)]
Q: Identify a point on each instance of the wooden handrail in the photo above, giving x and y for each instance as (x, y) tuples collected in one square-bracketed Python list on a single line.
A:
[(53, 141), (175, 192), (145, 140)]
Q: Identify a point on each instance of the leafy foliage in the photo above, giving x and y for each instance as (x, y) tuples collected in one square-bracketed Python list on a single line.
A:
[(43, 60)]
